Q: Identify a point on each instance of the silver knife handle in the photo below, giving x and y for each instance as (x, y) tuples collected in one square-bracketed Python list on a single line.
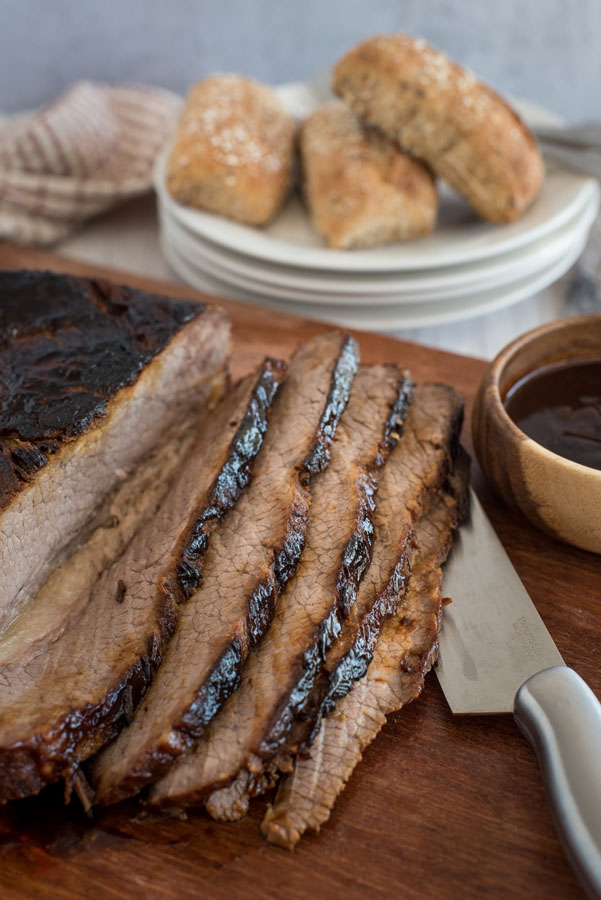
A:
[(561, 717)]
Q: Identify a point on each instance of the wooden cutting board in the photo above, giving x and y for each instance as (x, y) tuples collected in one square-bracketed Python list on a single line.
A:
[(440, 807)]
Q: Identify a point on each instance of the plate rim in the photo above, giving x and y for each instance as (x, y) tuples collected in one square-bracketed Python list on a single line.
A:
[(454, 313), (354, 296)]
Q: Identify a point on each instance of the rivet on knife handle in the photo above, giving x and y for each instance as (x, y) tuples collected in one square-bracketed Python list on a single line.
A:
[(561, 717)]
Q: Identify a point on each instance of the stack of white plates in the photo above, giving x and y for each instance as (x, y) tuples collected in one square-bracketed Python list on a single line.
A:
[(466, 267)]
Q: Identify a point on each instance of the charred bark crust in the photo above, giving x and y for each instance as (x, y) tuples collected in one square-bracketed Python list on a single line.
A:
[(234, 475), (340, 385), (66, 346)]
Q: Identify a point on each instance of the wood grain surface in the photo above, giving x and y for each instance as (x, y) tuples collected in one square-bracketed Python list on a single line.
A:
[(440, 807)]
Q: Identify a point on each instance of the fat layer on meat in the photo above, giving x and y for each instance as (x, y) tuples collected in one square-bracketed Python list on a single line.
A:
[(337, 553), (247, 566)]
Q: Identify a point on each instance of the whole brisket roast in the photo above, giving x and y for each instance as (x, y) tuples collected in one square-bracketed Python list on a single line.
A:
[(250, 559)]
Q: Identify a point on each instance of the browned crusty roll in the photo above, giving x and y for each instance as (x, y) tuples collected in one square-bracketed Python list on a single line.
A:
[(360, 188), (233, 150), (442, 114)]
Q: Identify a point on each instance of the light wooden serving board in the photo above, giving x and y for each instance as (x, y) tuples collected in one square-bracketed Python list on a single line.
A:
[(440, 807)]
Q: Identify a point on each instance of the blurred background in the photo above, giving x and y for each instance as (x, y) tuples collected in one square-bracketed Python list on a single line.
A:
[(544, 50)]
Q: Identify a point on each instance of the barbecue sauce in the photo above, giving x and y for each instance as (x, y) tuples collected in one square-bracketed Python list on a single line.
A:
[(559, 407)]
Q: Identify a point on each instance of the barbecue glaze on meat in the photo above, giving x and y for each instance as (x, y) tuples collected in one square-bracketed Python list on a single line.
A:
[(82, 669), (92, 377), (406, 649), (337, 554), (247, 566)]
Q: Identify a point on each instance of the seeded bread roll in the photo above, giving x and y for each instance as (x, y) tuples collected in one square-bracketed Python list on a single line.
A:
[(233, 150), (360, 188), (442, 114)]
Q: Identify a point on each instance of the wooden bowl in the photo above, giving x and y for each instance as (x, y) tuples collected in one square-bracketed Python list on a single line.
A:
[(560, 497)]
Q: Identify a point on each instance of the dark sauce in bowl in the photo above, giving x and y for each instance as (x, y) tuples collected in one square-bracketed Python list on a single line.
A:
[(559, 407)]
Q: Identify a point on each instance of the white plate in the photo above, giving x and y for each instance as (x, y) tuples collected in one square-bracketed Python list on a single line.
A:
[(260, 288), (501, 268), (385, 318), (387, 290), (460, 237)]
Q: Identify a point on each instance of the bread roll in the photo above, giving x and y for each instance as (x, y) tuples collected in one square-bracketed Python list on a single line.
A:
[(360, 188), (233, 150), (442, 114)]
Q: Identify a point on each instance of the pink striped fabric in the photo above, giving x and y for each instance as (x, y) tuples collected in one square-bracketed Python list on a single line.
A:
[(90, 149)]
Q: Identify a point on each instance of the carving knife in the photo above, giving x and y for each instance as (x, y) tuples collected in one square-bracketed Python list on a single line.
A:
[(496, 656)]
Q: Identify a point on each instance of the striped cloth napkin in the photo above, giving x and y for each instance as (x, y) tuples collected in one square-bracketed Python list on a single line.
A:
[(90, 149)]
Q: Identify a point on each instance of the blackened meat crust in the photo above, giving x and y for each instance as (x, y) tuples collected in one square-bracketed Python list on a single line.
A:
[(67, 345)]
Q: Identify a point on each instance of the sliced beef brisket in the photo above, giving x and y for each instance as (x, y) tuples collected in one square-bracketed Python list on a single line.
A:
[(81, 670), (337, 553), (248, 563), (93, 376), (406, 649), (417, 466)]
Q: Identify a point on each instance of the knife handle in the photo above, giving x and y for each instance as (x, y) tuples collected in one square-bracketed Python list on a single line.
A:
[(561, 717)]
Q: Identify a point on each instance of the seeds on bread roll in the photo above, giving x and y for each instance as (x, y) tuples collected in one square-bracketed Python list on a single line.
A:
[(442, 114), (360, 188), (233, 150)]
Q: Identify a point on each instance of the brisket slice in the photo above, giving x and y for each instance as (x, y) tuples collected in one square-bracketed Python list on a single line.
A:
[(92, 377), (406, 649), (248, 563), (419, 465), (77, 680), (337, 553)]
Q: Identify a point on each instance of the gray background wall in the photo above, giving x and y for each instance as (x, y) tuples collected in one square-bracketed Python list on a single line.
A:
[(548, 51)]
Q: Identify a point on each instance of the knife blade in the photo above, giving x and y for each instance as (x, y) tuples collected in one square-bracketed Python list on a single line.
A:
[(497, 656), (492, 637)]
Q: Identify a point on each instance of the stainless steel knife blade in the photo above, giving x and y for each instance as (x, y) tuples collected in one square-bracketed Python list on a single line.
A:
[(492, 637)]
